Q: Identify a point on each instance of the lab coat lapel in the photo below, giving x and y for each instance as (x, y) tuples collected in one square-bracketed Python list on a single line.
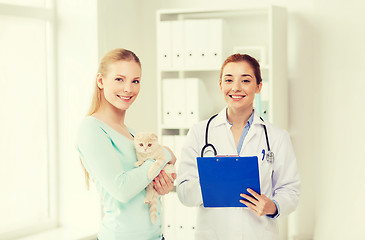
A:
[(251, 133), (224, 135), (257, 122)]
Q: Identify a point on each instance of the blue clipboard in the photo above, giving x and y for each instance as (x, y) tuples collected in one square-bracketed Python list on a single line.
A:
[(223, 179)]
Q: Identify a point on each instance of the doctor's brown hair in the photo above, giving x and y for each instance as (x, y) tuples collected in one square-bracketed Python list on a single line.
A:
[(244, 58)]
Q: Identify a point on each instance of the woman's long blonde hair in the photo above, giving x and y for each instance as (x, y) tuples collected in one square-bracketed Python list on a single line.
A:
[(118, 54)]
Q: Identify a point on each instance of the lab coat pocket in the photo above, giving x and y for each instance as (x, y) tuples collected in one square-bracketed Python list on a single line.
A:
[(271, 230), (266, 170), (266, 167)]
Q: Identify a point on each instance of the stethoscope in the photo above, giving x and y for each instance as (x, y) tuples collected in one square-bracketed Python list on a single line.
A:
[(269, 155)]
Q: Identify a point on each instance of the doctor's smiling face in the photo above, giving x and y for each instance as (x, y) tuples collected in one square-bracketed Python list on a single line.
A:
[(239, 84)]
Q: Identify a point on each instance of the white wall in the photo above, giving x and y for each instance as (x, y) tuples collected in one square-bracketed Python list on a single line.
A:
[(339, 66), (326, 65), (76, 71), (120, 26)]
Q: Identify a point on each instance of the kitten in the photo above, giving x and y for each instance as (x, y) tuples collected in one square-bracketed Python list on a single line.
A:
[(147, 147)]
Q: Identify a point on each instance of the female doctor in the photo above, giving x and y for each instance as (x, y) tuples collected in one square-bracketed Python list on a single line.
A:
[(239, 130)]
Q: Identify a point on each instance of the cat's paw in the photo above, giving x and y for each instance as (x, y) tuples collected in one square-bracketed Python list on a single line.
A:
[(148, 199), (138, 163)]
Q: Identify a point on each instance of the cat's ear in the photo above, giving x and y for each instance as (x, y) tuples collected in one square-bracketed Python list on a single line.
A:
[(154, 137), (137, 137)]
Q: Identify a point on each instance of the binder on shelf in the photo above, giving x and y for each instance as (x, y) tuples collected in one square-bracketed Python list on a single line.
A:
[(179, 101), (223, 179), (184, 101), (177, 44), (165, 45), (215, 42), (192, 100), (190, 44), (198, 106), (169, 215), (202, 43), (185, 223), (173, 101), (167, 101)]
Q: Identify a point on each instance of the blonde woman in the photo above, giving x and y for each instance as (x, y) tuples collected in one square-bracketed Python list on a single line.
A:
[(106, 149)]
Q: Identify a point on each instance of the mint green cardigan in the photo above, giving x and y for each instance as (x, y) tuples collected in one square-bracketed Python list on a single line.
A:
[(109, 158)]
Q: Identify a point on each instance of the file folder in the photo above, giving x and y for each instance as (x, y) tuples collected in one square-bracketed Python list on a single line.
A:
[(190, 44), (165, 45), (177, 44), (168, 115), (223, 179), (215, 42)]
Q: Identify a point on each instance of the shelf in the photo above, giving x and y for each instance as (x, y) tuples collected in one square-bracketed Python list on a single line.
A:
[(212, 12), (223, 32), (263, 67)]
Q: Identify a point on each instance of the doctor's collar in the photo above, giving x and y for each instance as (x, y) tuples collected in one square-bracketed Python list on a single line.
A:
[(221, 119), (257, 120), (249, 122)]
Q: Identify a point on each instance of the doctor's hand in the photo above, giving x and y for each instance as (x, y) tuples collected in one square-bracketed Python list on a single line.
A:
[(163, 184), (173, 157), (260, 204)]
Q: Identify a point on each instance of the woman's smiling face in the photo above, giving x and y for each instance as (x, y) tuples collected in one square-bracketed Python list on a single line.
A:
[(121, 84), (239, 86)]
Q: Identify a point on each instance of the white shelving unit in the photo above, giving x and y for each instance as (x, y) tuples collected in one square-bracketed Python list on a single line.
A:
[(192, 44)]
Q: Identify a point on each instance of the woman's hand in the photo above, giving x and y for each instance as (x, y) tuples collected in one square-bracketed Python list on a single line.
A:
[(262, 205), (173, 157), (163, 184)]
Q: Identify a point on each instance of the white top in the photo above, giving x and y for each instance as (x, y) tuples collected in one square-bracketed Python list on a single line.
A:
[(279, 180)]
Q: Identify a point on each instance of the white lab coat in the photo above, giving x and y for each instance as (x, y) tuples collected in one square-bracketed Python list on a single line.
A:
[(279, 180)]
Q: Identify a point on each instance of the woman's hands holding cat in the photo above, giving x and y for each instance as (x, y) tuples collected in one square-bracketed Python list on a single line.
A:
[(163, 184), (173, 157)]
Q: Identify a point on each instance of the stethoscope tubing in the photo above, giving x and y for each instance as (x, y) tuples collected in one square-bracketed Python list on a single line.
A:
[(206, 138), (212, 146), (267, 138)]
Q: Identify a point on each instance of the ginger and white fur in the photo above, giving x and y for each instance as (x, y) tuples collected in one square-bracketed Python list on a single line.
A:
[(147, 147)]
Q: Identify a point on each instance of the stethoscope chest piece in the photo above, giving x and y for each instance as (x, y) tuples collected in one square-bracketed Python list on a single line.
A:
[(270, 156)]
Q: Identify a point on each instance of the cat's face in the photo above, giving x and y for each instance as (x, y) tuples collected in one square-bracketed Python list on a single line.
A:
[(145, 142)]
